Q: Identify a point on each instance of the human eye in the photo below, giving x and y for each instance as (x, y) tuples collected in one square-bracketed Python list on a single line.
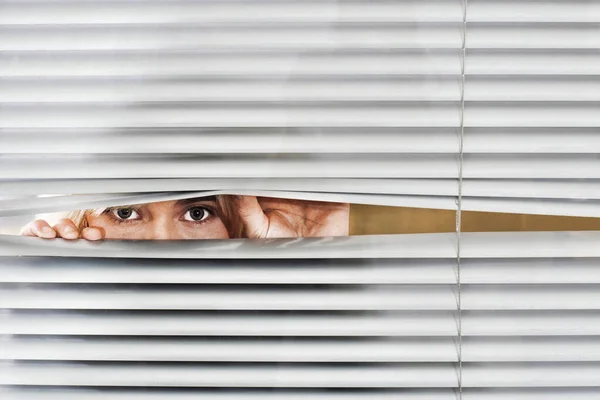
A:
[(197, 214), (123, 214)]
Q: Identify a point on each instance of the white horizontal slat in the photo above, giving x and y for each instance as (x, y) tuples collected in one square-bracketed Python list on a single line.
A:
[(174, 64), (230, 141), (334, 350), (245, 114), (436, 245), (379, 246), (531, 323), (532, 114), (572, 208), (497, 166), (523, 188), (532, 62), (189, 11), (402, 394), (315, 140), (555, 188), (532, 271), (251, 166), (23, 188), (313, 114), (531, 349), (65, 12), (532, 140), (531, 375), (48, 205), (441, 297), (530, 297), (281, 140), (430, 323), (432, 375), (307, 36), (532, 88), (96, 394), (533, 11), (127, 92), (556, 393), (178, 64), (273, 35), (27, 189), (35, 205), (385, 271), (511, 35), (541, 166), (27, 206), (323, 325), (31, 207)]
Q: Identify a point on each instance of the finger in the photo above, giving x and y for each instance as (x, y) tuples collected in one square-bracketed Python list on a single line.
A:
[(93, 233), (251, 215), (66, 229), (39, 228)]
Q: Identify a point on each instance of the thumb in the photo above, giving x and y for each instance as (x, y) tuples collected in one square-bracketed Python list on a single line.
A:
[(251, 216)]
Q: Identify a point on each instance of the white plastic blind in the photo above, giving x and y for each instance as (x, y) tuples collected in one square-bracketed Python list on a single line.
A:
[(362, 317), (397, 102), (354, 89), (313, 314)]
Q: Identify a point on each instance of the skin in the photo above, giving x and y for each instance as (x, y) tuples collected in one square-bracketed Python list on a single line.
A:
[(172, 220), (280, 218)]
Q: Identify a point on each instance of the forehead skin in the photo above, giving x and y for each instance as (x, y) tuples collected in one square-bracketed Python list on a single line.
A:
[(164, 221)]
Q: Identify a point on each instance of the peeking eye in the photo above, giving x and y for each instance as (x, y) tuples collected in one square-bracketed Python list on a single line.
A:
[(196, 214), (125, 214)]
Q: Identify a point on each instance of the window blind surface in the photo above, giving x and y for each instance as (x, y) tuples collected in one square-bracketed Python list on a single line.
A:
[(529, 318), (484, 105), (511, 84)]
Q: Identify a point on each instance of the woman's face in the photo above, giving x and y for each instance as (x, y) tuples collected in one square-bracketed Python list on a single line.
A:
[(167, 220)]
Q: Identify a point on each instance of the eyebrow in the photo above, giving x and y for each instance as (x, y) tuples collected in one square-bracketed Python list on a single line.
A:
[(185, 202), (178, 203)]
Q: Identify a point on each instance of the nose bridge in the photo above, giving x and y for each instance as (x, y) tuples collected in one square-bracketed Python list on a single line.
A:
[(163, 228)]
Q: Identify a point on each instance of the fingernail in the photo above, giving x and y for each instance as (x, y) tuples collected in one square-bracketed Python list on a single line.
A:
[(92, 234), (47, 231), (70, 233)]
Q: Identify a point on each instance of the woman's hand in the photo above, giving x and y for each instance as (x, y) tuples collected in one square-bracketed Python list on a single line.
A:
[(65, 228), (281, 218)]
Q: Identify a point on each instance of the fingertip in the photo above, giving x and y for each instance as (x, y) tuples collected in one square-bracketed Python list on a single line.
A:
[(47, 233), (69, 232), (92, 234)]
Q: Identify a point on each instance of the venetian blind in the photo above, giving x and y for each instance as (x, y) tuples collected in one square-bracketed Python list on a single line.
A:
[(491, 104)]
